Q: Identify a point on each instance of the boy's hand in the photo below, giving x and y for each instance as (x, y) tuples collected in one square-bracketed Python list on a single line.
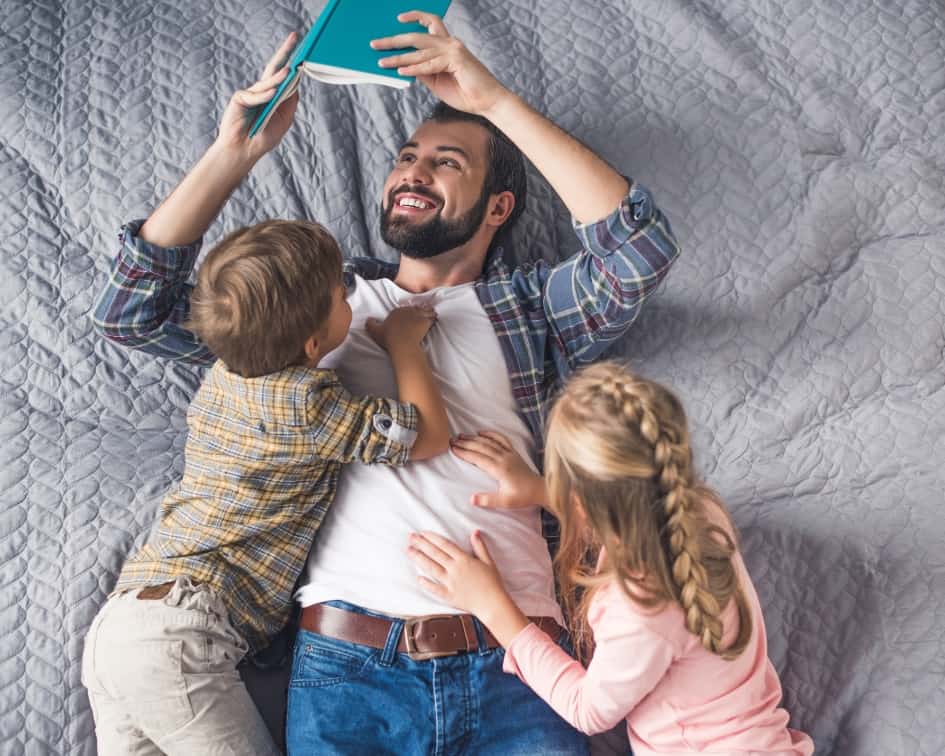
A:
[(240, 112), (404, 326), (443, 64), (493, 453)]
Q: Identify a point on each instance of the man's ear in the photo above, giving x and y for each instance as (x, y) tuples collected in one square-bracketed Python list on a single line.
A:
[(312, 349), (501, 208)]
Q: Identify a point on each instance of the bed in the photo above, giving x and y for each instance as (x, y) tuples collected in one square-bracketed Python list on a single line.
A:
[(796, 148)]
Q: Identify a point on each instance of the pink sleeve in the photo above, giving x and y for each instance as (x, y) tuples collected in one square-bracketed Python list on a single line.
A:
[(629, 660)]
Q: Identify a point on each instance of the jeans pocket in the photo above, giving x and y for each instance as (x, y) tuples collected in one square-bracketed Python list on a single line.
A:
[(321, 661)]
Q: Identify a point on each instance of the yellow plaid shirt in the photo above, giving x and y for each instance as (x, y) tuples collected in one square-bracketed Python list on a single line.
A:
[(261, 467)]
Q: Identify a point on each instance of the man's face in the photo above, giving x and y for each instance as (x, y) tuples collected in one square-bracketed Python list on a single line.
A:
[(433, 199)]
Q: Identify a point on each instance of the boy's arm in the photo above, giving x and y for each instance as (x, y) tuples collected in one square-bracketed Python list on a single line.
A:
[(401, 334), (147, 298), (417, 386), (345, 428)]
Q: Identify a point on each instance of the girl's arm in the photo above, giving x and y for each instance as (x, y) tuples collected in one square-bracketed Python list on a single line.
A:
[(630, 658)]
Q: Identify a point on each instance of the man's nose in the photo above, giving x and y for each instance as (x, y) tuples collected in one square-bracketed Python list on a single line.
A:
[(416, 173)]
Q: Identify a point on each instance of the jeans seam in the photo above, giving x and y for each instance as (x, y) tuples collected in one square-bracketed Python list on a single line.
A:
[(437, 729)]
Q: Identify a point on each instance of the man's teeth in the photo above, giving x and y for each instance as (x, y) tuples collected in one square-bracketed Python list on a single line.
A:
[(411, 202)]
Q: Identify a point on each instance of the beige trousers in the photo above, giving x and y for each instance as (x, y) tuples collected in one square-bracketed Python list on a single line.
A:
[(161, 677)]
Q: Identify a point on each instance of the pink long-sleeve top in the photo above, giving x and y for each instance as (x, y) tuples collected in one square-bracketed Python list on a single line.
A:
[(677, 697)]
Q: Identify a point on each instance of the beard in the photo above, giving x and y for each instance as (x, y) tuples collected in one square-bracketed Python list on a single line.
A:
[(434, 236)]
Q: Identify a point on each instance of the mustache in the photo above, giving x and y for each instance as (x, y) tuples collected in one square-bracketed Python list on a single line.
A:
[(420, 191)]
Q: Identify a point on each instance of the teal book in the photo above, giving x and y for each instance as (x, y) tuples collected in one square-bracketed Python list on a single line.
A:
[(337, 48)]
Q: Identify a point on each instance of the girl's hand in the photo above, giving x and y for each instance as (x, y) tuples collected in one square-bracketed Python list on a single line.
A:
[(240, 112), (469, 582), (443, 64), (493, 453)]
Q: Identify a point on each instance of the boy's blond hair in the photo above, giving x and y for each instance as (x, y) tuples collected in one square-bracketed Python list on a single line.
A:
[(262, 292)]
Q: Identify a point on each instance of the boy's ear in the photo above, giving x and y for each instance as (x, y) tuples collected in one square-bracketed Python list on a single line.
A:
[(312, 349)]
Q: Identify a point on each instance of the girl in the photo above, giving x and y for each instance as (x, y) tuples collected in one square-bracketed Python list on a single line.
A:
[(668, 618)]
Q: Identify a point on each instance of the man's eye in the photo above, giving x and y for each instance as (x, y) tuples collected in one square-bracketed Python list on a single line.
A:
[(405, 158), (450, 163)]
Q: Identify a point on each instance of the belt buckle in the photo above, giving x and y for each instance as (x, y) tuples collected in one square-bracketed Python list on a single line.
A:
[(410, 642)]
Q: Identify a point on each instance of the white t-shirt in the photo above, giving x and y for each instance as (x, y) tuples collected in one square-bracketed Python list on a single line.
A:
[(359, 554)]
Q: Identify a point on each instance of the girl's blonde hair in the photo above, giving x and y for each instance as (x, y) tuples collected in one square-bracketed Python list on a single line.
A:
[(619, 470)]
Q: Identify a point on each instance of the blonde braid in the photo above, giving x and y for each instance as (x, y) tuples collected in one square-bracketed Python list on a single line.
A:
[(673, 461)]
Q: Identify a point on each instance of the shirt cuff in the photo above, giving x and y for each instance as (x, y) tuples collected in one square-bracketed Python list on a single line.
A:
[(400, 429), (166, 262), (528, 635), (605, 236)]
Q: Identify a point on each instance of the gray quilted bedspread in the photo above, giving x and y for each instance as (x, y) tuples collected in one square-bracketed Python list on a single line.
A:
[(796, 147)]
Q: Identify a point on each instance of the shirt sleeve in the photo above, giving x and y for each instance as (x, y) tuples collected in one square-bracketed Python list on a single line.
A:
[(592, 298), (146, 299), (372, 430), (629, 660)]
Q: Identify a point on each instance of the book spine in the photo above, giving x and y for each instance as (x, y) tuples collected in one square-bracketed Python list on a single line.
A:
[(295, 64), (314, 33)]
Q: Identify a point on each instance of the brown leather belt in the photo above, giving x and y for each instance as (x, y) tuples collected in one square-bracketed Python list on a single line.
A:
[(153, 592), (428, 637)]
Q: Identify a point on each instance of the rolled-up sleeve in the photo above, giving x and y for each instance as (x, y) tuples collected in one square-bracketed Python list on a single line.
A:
[(373, 430), (146, 299), (593, 297)]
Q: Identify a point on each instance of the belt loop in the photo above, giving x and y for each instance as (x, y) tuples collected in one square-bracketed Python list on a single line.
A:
[(480, 637), (393, 638)]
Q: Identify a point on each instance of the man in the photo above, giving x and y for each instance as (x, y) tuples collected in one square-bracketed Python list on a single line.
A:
[(373, 672)]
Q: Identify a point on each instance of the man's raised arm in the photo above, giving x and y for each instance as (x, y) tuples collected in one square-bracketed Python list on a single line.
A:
[(628, 246), (147, 297)]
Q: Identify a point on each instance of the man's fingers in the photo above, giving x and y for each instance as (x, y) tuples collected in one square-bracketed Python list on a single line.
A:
[(433, 23), (248, 99), (439, 64), (408, 59), (270, 81), (411, 39), (281, 55)]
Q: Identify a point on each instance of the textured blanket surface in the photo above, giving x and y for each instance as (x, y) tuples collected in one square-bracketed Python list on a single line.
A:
[(796, 147)]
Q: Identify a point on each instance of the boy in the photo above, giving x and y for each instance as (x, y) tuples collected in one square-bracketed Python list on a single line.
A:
[(268, 432)]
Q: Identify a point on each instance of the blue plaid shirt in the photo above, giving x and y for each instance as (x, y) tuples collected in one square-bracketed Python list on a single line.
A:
[(550, 320)]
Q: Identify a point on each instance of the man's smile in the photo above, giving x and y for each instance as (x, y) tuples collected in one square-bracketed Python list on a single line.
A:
[(413, 204)]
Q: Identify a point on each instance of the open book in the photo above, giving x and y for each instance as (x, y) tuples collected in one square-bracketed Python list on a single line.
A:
[(337, 48)]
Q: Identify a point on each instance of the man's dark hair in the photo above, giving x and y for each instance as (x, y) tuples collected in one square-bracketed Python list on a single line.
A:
[(506, 164)]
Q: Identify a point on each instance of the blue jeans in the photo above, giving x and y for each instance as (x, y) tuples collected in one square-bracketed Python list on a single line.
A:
[(350, 699)]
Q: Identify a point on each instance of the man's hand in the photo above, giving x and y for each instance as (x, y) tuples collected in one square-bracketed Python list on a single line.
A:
[(493, 453), (242, 108), (404, 326), (444, 65)]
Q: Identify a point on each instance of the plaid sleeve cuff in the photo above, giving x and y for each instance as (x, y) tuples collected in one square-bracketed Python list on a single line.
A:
[(167, 262), (605, 236), (399, 428)]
